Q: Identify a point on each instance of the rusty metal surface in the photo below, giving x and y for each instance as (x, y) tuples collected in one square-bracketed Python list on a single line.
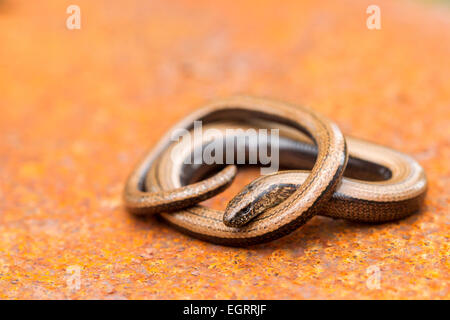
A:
[(79, 107)]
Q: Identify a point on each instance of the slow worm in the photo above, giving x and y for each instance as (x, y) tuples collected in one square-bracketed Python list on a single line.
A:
[(380, 184)]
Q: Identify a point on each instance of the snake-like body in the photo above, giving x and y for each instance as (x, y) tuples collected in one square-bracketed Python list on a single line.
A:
[(379, 184)]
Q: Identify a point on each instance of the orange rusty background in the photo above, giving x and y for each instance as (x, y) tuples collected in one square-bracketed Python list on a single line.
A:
[(80, 107)]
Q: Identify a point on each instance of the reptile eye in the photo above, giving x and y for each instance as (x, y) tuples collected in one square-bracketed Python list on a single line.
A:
[(246, 210)]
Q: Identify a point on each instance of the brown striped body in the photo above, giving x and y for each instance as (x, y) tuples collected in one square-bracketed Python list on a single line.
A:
[(380, 184)]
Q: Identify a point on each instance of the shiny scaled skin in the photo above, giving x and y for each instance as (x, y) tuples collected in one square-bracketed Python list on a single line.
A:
[(379, 184)]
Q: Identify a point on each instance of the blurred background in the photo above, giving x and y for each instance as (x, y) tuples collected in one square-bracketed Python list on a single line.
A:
[(80, 106)]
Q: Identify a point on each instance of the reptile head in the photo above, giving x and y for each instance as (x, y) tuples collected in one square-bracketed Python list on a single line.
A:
[(240, 209), (254, 199)]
